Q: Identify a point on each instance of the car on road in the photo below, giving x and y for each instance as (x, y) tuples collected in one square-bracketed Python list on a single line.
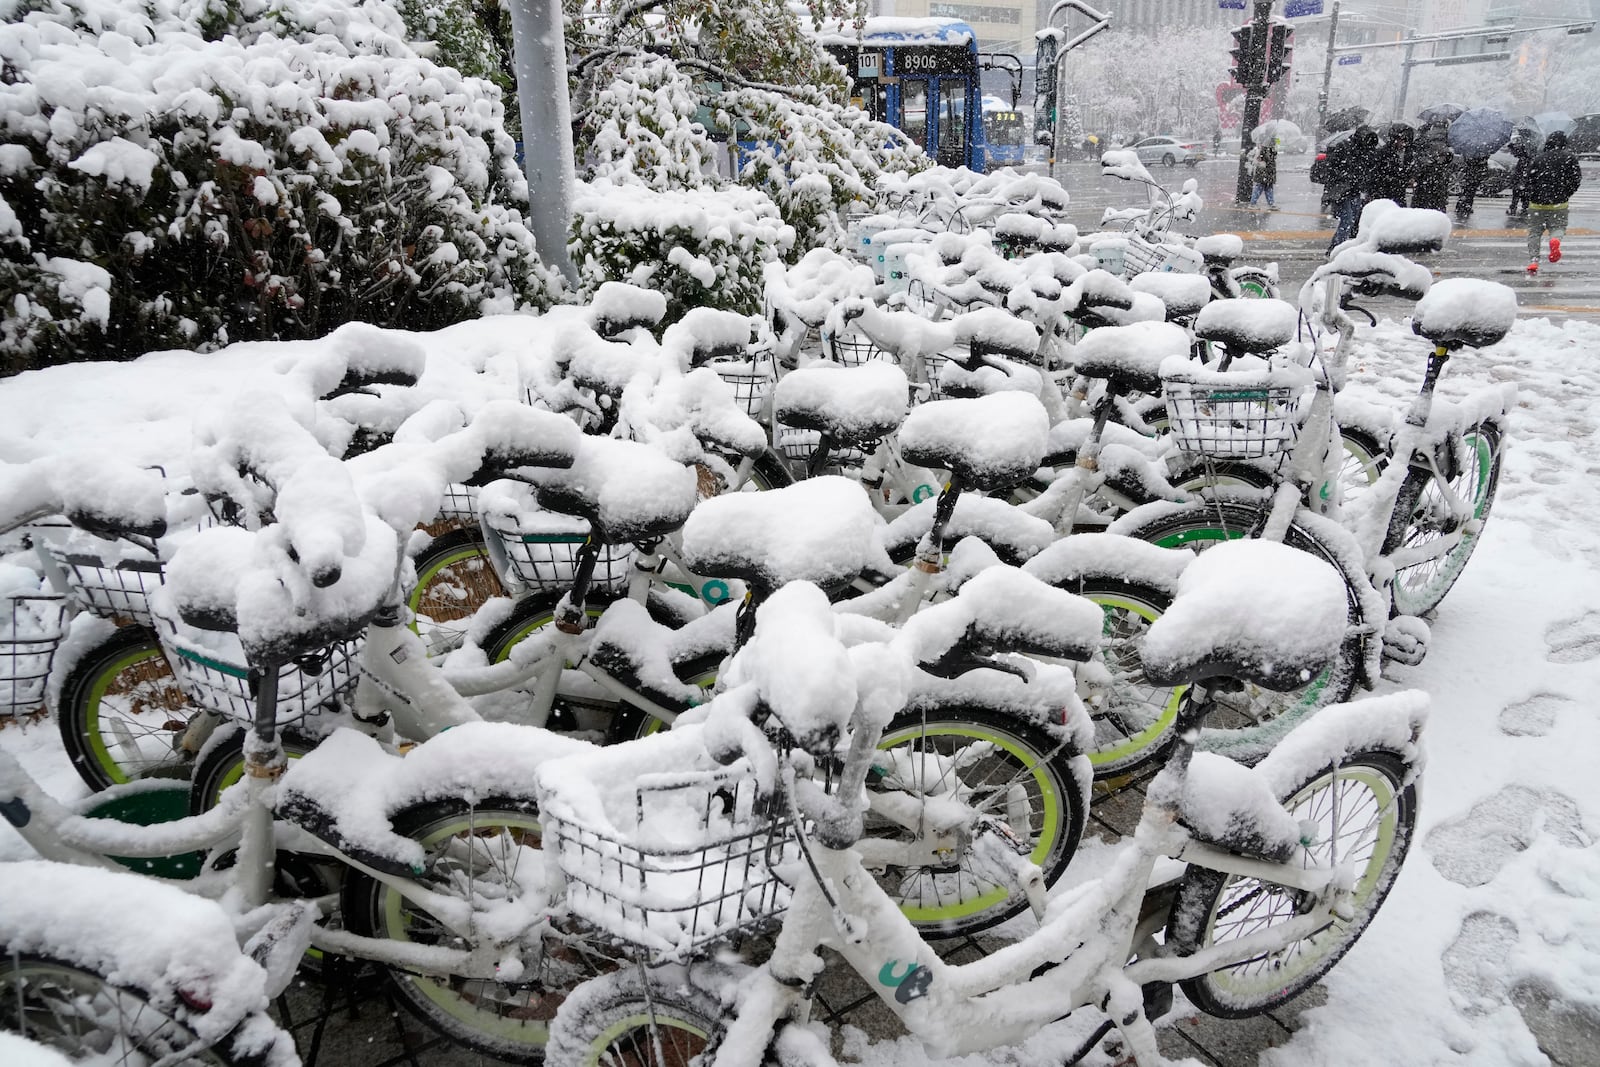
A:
[(1169, 151)]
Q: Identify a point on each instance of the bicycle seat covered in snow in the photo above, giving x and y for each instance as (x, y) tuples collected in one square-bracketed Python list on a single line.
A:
[(854, 406), (628, 491), (989, 442), (1129, 357), (1258, 611), (1220, 249), (1183, 294), (819, 531), (1465, 312), (1248, 326)]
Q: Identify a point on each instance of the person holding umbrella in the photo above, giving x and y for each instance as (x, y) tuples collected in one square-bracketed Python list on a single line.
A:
[(1264, 173), (1476, 134), (1522, 148), (1351, 166), (1395, 164), (1431, 163), (1553, 176)]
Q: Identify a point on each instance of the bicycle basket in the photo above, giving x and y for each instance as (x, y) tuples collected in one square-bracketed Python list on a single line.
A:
[(851, 349), (797, 445), (214, 673), (1141, 257), (751, 380), (111, 590), (547, 560), (460, 504), (37, 624), (695, 867), (1223, 416)]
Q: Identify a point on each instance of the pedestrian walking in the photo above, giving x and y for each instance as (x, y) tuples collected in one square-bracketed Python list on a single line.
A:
[(1431, 169), (1396, 164), (1351, 165), (1473, 171), (1263, 161), (1553, 176), (1216, 143), (1522, 149)]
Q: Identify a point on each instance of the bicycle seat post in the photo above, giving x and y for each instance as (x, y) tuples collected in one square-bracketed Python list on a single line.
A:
[(264, 764)]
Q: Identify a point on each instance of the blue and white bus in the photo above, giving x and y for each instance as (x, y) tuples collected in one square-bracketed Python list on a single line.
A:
[(1007, 130), (921, 76)]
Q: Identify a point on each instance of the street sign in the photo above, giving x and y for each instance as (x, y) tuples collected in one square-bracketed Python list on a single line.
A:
[(1231, 5), (1295, 8), (1349, 61)]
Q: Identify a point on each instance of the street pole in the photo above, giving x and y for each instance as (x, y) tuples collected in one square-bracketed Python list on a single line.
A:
[(1254, 94), (1405, 82), (539, 51), (1327, 75)]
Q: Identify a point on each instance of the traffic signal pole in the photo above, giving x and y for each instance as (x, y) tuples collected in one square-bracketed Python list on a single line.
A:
[(1255, 91)]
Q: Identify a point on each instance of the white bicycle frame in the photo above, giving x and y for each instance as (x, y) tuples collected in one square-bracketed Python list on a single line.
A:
[(1086, 939)]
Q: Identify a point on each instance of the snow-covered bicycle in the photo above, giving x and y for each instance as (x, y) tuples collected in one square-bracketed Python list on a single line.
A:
[(1280, 868)]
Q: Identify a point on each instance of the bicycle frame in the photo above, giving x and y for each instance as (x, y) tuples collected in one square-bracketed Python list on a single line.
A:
[(1083, 946)]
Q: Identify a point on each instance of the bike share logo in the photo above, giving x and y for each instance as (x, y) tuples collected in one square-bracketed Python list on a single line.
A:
[(912, 984)]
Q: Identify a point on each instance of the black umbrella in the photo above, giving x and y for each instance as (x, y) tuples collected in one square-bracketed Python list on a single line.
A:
[(1440, 113), (1346, 119), (1480, 133)]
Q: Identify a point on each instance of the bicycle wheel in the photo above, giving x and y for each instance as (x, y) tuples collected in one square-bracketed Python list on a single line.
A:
[(1134, 719), (999, 766), (1365, 811), (625, 1019), (78, 1013), (1423, 518), (1361, 465), (531, 615), (454, 580), (123, 714), (1203, 525), (474, 853)]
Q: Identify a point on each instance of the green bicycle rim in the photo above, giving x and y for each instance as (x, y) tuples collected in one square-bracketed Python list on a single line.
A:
[(637, 1022), (515, 1031), (1449, 565), (1047, 831), (1279, 975), (91, 721), (1102, 757)]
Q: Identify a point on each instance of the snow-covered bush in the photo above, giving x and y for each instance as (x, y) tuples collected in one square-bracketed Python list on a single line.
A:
[(813, 158), (697, 247), (191, 172), (641, 129)]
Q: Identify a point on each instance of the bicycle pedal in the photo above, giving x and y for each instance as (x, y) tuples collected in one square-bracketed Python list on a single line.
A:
[(1405, 640)]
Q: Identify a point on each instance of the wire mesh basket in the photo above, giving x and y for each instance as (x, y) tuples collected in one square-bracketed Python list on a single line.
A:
[(225, 683), (27, 650), (1141, 257), (852, 349), (751, 378), (119, 590), (697, 867), (1255, 417), (796, 446), (460, 504), (547, 561)]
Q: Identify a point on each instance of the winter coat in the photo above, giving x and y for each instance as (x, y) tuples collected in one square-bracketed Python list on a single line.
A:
[(1264, 165), (1554, 174), (1351, 167), (1392, 171), (1431, 168)]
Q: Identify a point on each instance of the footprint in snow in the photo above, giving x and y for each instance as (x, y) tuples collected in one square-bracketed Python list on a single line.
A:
[(1471, 849), (1574, 640), (1475, 962), (1533, 717)]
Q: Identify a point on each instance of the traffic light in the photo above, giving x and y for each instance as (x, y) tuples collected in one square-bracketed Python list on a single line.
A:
[(1280, 49), (1246, 52)]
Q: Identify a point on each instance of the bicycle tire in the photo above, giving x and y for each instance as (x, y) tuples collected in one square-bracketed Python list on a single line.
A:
[(454, 579), (41, 996), (1361, 464), (531, 615), (1200, 525), (627, 1018), (1135, 722), (123, 714), (509, 1020), (1373, 783), (949, 900), (1420, 588)]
